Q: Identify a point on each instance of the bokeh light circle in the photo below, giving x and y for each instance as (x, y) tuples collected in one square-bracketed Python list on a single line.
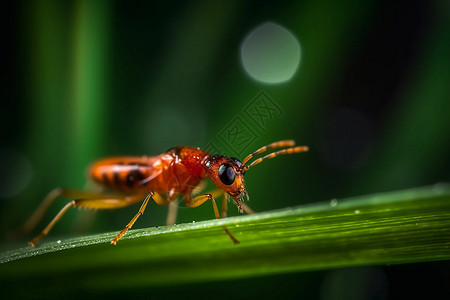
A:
[(270, 53)]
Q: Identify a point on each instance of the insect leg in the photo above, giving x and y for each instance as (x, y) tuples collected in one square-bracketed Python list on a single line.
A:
[(173, 208), (220, 193), (36, 217), (156, 197), (172, 214), (52, 223), (199, 200), (214, 193), (247, 208), (224, 204), (97, 202)]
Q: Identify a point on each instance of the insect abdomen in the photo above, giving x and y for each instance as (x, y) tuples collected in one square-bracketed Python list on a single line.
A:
[(122, 176)]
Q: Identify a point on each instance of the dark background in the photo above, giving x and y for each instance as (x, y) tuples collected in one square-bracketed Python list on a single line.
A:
[(371, 98)]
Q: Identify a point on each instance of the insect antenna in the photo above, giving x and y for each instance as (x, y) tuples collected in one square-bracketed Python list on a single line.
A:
[(279, 144)]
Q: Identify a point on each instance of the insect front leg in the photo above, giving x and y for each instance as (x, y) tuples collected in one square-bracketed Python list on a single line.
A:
[(220, 193), (199, 200), (247, 208), (215, 194)]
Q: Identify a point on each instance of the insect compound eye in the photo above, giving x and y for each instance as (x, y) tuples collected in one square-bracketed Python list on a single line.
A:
[(226, 174)]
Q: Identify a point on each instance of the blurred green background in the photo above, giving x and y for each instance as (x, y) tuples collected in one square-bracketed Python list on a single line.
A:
[(89, 79)]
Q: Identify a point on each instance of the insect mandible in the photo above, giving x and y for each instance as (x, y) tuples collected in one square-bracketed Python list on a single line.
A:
[(177, 172)]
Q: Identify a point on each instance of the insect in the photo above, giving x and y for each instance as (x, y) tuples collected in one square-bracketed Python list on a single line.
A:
[(177, 172)]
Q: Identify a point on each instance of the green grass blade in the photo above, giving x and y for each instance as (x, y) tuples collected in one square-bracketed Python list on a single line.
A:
[(391, 228)]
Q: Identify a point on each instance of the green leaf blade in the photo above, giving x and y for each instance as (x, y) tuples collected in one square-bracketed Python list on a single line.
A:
[(392, 228)]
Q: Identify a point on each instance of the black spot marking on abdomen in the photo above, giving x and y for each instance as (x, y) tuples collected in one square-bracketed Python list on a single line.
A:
[(134, 176)]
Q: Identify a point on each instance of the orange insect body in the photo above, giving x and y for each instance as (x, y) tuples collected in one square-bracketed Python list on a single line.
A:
[(175, 171), (162, 178)]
